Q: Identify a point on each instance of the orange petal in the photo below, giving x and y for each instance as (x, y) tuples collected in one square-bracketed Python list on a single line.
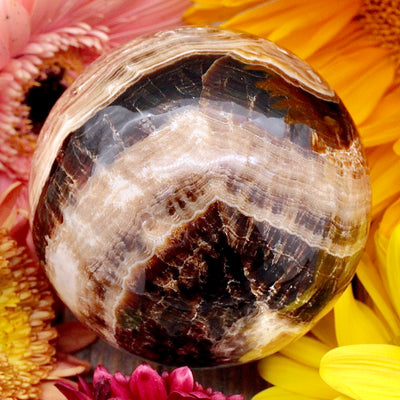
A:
[(207, 12), (360, 77), (50, 392), (68, 365), (320, 33), (265, 18), (385, 177), (8, 200), (74, 336), (382, 126)]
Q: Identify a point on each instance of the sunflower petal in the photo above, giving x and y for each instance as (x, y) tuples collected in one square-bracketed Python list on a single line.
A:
[(385, 175), (294, 377), (324, 330), (382, 125), (208, 12), (390, 219), (372, 282), (306, 350), (318, 34), (261, 20), (277, 393), (360, 85), (364, 372), (355, 322), (393, 267)]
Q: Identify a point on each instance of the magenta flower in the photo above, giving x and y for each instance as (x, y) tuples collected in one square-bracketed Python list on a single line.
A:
[(144, 384)]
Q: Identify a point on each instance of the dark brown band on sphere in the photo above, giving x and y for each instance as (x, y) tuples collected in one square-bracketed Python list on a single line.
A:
[(259, 94)]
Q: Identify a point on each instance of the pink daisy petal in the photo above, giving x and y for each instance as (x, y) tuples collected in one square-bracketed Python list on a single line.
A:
[(67, 35), (47, 15), (14, 29), (147, 17)]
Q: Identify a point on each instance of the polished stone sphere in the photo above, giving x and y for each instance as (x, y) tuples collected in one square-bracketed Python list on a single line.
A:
[(199, 197)]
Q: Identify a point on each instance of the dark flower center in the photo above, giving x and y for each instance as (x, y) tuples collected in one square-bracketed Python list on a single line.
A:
[(41, 97), (382, 21)]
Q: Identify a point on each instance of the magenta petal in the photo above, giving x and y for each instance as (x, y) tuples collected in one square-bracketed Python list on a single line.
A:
[(120, 386), (181, 380), (84, 387), (218, 396), (200, 395), (146, 384), (101, 374), (101, 383), (180, 396), (70, 392), (236, 397)]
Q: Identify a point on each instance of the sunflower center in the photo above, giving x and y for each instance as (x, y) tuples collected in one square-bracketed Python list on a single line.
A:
[(382, 21)]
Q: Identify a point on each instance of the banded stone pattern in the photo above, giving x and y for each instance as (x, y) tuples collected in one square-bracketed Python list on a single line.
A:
[(199, 197)]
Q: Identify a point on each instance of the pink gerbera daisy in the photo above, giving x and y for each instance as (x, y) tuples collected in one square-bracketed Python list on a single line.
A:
[(44, 44)]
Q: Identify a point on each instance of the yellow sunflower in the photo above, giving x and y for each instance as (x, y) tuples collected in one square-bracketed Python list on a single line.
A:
[(352, 353)]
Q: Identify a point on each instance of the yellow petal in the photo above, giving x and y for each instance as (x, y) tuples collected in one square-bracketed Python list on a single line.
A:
[(278, 18), (324, 330), (294, 377), (396, 147), (381, 244), (355, 322), (320, 32), (306, 350), (211, 11), (364, 372), (343, 397), (372, 282), (277, 393), (382, 126), (359, 84), (385, 177), (390, 219), (393, 267)]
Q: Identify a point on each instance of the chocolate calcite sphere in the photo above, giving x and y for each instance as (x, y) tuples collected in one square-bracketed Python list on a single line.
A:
[(199, 197)]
